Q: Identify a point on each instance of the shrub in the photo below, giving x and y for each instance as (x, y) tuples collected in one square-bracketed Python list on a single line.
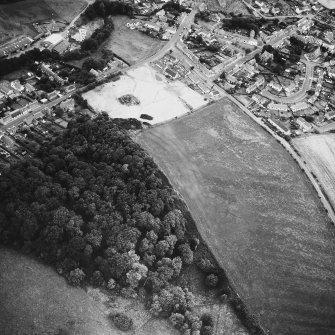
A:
[(76, 277), (212, 280), (122, 321), (146, 117)]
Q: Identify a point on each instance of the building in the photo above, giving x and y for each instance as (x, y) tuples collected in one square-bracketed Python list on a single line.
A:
[(52, 95), (46, 69), (304, 125), (275, 86), (278, 107), (290, 88), (61, 47), (231, 79), (279, 126), (330, 115), (203, 88), (171, 73), (17, 85), (152, 26), (67, 105), (94, 72), (29, 88), (70, 88), (299, 106), (266, 56), (80, 35), (6, 88)]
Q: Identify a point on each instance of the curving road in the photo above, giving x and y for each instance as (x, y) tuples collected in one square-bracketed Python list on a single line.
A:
[(301, 94)]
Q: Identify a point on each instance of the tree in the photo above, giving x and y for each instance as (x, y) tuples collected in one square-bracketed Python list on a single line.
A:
[(76, 277), (212, 280), (59, 111), (186, 253), (122, 321)]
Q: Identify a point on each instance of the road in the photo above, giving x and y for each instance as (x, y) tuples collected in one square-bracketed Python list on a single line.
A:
[(21, 119), (185, 24), (301, 94)]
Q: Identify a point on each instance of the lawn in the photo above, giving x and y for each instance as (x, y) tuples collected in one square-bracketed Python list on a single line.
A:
[(36, 300), (17, 18), (328, 3), (159, 98), (67, 10), (131, 45), (234, 6), (319, 153), (257, 212)]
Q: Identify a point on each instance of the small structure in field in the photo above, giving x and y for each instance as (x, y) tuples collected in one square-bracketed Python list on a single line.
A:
[(129, 100)]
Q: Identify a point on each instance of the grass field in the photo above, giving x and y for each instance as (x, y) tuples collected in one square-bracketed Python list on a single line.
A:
[(67, 10), (158, 98), (234, 6), (131, 45), (34, 299), (16, 18), (257, 212), (319, 153), (328, 3)]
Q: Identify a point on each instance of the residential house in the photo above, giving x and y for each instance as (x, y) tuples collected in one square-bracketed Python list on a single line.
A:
[(6, 88), (171, 73), (46, 69), (67, 105), (70, 88), (299, 106), (330, 115), (52, 95), (304, 125), (17, 85), (275, 86), (94, 72), (29, 88)]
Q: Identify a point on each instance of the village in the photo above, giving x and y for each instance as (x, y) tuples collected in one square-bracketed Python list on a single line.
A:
[(278, 62)]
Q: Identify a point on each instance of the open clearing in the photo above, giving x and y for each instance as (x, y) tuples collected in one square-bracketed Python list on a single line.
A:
[(159, 98), (318, 151), (17, 18), (234, 6), (131, 45), (257, 212), (67, 10), (36, 300), (328, 3)]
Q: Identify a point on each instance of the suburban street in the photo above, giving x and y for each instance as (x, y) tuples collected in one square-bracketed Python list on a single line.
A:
[(170, 45), (21, 119), (301, 94)]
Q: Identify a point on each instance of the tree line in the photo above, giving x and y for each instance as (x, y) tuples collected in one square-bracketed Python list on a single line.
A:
[(96, 207)]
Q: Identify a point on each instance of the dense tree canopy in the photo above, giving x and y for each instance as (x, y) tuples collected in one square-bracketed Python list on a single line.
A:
[(94, 204)]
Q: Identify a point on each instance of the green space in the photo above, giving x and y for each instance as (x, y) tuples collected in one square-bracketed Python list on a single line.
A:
[(257, 212)]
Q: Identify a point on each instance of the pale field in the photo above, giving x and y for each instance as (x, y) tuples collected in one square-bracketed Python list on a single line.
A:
[(159, 98), (328, 3), (319, 153)]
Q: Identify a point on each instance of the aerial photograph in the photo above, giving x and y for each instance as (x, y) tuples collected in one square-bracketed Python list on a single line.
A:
[(167, 167)]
